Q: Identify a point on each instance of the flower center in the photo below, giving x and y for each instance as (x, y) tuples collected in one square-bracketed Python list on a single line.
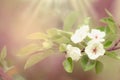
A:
[(96, 36), (95, 50)]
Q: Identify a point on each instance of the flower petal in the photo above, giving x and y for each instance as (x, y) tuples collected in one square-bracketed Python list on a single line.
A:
[(94, 49), (80, 34), (73, 52)]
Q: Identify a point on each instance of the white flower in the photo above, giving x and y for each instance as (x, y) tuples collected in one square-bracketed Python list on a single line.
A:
[(94, 49), (97, 35), (73, 52), (80, 34)]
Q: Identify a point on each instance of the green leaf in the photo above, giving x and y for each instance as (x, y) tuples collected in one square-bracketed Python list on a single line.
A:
[(104, 29), (53, 34), (68, 65), (110, 23), (37, 35), (113, 55), (3, 53), (59, 36), (65, 33), (86, 21), (107, 43), (47, 44), (111, 37), (87, 64), (29, 49), (63, 39), (62, 47), (70, 21), (98, 67), (35, 58), (57, 33), (18, 77)]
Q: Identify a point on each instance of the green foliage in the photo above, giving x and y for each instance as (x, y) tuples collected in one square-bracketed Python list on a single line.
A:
[(98, 67), (3, 54), (87, 64), (37, 35), (29, 49), (107, 43), (62, 47), (59, 36), (110, 23), (18, 77), (62, 40), (104, 29), (47, 44), (3, 60), (53, 33), (113, 55), (68, 65), (35, 58), (110, 29), (70, 21), (86, 21)]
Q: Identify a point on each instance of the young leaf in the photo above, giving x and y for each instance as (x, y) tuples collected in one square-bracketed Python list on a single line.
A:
[(111, 37), (86, 21), (37, 58), (70, 21), (107, 43), (87, 64), (63, 39), (53, 33), (110, 23), (3, 53), (68, 65), (29, 49), (65, 33), (62, 47), (104, 29), (47, 44), (113, 55), (98, 67), (59, 36), (37, 35)]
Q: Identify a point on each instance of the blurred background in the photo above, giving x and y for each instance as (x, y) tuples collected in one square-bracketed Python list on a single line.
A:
[(19, 18)]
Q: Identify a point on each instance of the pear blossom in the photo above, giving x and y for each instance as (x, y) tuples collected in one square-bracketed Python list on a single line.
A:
[(94, 49), (80, 34), (73, 52), (97, 35)]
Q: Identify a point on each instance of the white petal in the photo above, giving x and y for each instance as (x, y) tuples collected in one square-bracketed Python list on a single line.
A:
[(89, 50), (97, 35), (73, 52), (80, 34)]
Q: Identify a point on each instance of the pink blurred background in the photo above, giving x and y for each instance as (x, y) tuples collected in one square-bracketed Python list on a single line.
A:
[(19, 18)]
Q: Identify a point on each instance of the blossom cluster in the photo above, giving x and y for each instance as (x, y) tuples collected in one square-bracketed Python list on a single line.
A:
[(94, 45)]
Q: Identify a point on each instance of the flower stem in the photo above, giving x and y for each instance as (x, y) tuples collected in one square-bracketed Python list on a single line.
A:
[(113, 49), (114, 46)]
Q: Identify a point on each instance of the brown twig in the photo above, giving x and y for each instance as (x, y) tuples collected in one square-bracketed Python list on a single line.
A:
[(114, 46), (112, 49)]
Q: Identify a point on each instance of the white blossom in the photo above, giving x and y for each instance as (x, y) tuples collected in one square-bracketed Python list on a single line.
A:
[(97, 35), (80, 34), (94, 49), (73, 52)]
